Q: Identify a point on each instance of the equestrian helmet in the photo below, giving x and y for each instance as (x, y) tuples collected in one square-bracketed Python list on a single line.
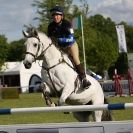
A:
[(57, 10)]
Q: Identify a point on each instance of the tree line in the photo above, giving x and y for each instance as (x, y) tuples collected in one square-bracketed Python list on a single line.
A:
[(101, 43)]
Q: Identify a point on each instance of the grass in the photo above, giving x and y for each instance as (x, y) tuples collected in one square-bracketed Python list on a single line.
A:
[(35, 100), (122, 114), (30, 100)]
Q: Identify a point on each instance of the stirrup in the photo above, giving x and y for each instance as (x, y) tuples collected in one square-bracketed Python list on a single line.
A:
[(86, 83)]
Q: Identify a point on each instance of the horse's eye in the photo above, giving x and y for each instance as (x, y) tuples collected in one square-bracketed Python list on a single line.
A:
[(35, 44)]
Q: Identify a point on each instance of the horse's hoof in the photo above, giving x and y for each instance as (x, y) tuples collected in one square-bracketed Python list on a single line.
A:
[(53, 105)]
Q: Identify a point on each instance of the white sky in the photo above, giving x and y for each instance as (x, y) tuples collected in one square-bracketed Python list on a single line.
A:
[(15, 13)]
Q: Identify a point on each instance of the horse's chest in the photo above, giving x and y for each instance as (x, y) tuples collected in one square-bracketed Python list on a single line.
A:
[(54, 80)]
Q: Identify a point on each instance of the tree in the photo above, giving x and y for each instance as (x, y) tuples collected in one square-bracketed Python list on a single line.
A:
[(43, 9), (100, 43), (3, 49), (129, 38), (84, 8), (16, 51), (102, 54)]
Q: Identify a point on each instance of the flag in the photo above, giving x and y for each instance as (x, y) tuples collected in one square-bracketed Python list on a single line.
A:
[(76, 23), (121, 38)]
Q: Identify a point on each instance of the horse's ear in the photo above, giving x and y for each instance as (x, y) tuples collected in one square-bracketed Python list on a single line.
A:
[(35, 32), (26, 34)]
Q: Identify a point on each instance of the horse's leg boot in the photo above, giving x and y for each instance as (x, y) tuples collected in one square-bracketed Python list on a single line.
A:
[(80, 70)]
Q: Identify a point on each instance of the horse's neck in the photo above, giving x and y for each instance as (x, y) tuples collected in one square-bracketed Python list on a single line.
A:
[(52, 55)]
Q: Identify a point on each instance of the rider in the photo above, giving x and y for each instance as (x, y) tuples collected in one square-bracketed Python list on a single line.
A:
[(62, 30)]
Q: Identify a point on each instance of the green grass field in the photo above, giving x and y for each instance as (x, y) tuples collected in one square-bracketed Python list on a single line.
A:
[(35, 100)]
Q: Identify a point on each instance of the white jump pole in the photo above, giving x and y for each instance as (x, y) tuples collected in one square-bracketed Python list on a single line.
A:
[(75, 108)]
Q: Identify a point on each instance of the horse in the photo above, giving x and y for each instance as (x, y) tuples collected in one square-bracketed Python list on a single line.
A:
[(60, 78)]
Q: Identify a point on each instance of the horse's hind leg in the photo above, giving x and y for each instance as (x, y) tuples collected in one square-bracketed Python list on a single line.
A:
[(101, 115), (98, 113), (106, 116), (98, 116)]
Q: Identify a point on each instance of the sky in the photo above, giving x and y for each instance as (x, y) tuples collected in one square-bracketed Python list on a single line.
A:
[(14, 14)]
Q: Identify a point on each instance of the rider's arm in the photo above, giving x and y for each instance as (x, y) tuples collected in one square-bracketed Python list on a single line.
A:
[(70, 39)]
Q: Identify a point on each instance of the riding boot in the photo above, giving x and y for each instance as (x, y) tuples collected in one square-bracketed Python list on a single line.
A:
[(80, 70)]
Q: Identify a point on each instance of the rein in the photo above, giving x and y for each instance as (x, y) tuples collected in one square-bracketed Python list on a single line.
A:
[(48, 72), (48, 69), (62, 60)]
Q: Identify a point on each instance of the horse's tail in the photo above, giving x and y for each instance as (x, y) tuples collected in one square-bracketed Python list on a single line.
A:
[(107, 115)]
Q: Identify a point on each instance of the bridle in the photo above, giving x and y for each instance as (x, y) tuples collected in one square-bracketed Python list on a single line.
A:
[(38, 49)]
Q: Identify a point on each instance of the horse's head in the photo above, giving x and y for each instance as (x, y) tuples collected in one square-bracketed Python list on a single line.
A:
[(33, 47)]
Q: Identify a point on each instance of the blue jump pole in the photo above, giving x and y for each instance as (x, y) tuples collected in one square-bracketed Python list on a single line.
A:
[(75, 108)]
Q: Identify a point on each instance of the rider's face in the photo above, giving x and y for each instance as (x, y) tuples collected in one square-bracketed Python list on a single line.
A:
[(57, 18)]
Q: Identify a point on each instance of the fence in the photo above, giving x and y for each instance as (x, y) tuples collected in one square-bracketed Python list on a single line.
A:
[(109, 87), (67, 108)]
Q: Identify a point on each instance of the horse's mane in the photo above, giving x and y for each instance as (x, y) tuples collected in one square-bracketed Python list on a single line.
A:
[(43, 36)]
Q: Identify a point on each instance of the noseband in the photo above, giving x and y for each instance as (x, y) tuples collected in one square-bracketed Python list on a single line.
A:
[(31, 54)]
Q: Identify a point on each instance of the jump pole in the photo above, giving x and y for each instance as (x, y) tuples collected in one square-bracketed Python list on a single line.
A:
[(74, 108)]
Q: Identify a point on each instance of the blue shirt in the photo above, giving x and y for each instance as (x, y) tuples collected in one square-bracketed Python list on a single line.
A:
[(63, 32)]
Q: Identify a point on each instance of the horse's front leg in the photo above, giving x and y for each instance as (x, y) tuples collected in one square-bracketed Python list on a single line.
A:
[(48, 99), (46, 96), (67, 91)]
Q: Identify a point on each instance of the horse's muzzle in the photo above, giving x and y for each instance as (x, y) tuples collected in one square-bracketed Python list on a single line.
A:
[(27, 64)]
